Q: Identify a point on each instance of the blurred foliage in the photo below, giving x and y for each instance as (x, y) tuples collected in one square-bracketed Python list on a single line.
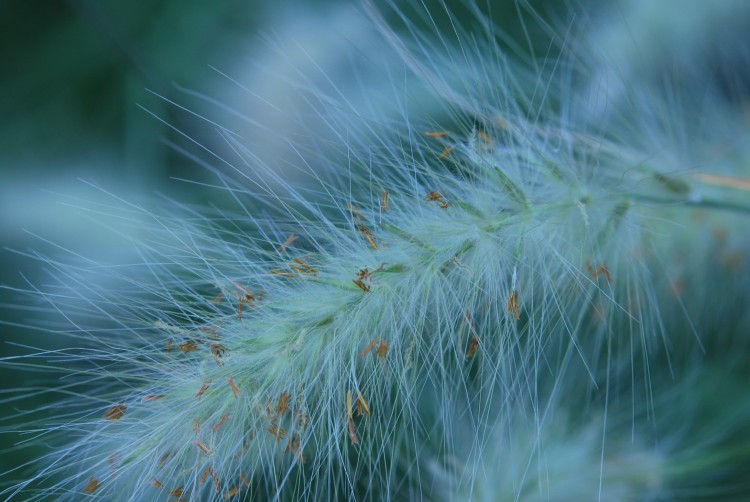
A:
[(79, 68)]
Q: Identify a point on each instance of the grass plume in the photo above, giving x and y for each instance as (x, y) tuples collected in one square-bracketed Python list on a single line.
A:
[(460, 279)]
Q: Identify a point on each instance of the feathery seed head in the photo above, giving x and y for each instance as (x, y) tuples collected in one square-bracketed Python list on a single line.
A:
[(491, 250)]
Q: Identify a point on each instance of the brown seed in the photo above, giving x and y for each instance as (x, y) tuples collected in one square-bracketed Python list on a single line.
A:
[(206, 473), (384, 201), (368, 235), (303, 420), (202, 446), (473, 346), (214, 333), (165, 457), (189, 346), (92, 486), (512, 306), (294, 443), (600, 270), (446, 151), (220, 423), (436, 134), (289, 240), (203, 388), (304, 267), (283, 405), (116, 412), (437, 197), (363, 273), (382, 350), (349, 404), (282, 273), (369, 347), (486, 138), (349, 419), (235, 389), (112, 460), (277, 431), (363, 277), (352, 432), (217, 483), (218, 350), (362, 407), (362, 285)]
